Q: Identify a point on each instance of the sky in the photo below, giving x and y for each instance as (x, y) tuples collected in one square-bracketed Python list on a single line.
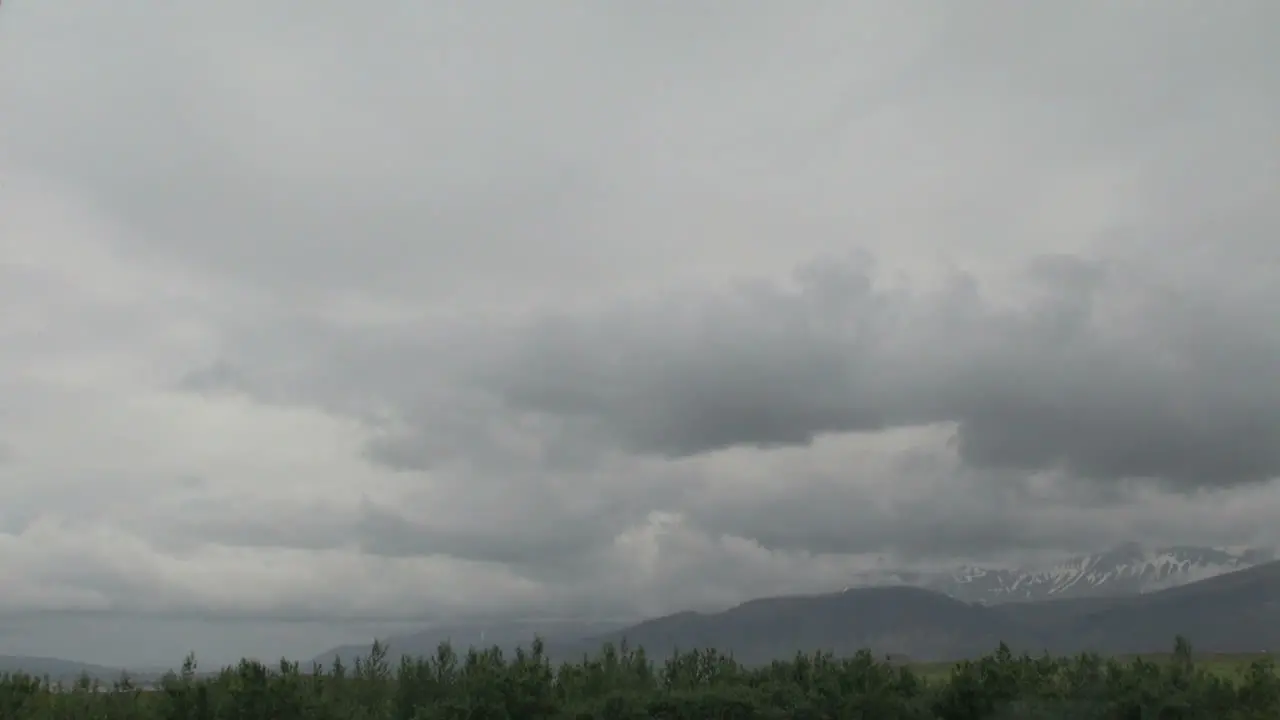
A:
[(320, 320)]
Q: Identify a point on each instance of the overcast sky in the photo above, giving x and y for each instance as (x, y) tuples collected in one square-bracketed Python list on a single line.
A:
[(315, 316)]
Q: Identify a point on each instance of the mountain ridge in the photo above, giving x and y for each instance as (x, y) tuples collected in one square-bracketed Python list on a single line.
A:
[(58, 669), (1233, 612), (1127, 569)]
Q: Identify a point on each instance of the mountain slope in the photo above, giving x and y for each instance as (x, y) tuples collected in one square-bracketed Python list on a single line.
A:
[(890, 621), (1236, 612), (57, 669)]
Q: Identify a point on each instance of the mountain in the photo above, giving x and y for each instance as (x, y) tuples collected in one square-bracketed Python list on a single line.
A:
[(56, 669), (1112, 603), (1129, 569), (902, 620), (1234, 612)]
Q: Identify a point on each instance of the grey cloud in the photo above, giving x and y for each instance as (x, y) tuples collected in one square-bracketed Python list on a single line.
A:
[(968, 518), (212, 521), (536, 259), (1104, 370), (218, 377), (436, 432), (539, 537), (543, 522), (757, 366), (534, 164), (830, 518), (1186, 393)]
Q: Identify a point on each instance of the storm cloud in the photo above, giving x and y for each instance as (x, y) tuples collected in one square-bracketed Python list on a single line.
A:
[(350, 317), (1111, 372)]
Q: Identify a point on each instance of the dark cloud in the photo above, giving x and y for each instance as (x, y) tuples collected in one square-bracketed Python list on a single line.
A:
[(488, 309), (1110, 372), (527, 535), (218, 377)]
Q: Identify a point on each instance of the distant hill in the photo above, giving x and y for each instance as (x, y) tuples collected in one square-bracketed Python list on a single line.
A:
[(1236, 612), (902, 621), (1233, 612), (55, 669), (67, 671), (906, 621)]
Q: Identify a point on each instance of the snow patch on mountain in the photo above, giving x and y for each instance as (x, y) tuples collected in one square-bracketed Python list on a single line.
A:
[(1124, 570)]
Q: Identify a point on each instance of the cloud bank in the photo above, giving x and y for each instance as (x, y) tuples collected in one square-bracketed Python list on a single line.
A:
[(355, 317)]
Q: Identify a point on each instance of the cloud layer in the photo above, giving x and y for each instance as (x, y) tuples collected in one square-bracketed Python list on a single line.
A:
[(366, 316)]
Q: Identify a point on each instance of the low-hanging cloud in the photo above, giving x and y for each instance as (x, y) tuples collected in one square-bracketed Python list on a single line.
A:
[(1112, 372), (409, 312)]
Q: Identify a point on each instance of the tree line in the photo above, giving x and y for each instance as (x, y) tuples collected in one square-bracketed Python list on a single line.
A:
[(623, 684)]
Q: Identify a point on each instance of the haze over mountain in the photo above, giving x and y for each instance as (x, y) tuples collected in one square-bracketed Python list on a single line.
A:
[(57, 669), (1234, 612), (927, 624), (325, 324)]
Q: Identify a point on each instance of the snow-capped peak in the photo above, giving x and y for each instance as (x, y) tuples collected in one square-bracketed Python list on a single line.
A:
[(1126, 569)]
